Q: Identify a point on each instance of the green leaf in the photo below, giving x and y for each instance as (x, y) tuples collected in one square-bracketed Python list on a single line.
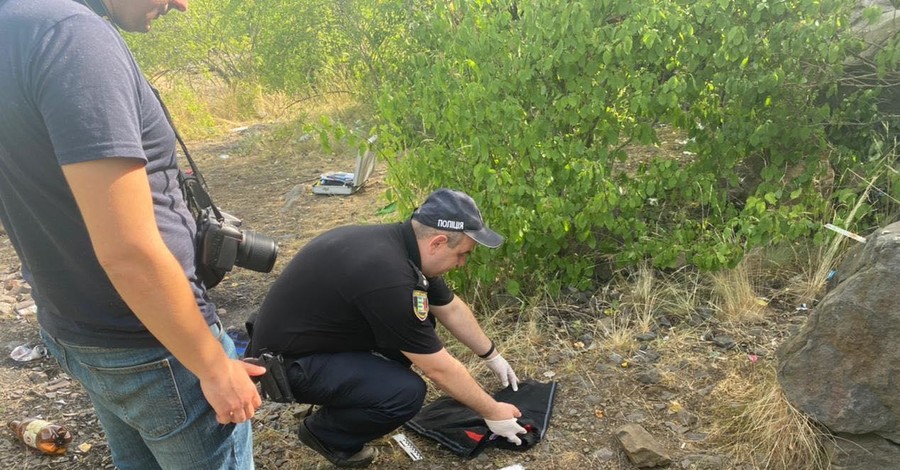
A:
[(513, 287), (388, 209)]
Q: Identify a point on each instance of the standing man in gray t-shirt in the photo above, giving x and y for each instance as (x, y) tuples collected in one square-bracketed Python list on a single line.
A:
[(89, 197)]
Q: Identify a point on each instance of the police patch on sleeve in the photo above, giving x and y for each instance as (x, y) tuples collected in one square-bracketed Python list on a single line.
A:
[(420, 304)]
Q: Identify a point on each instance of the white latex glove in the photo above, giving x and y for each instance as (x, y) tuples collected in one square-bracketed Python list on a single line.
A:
[(504, 371), (507, 428)]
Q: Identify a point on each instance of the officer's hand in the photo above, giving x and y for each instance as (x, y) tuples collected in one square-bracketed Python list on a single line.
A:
[(504, 371), (507, 428)]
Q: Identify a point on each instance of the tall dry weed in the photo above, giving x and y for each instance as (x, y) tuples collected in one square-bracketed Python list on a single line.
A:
[(754, 423), (736, 294)]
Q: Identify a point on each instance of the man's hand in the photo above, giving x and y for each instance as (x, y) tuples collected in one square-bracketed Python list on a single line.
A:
[(231, 393), (507, 428), (503, 371)]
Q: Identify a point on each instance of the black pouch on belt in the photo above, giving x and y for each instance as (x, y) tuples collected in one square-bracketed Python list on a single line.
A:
[(274, 383)]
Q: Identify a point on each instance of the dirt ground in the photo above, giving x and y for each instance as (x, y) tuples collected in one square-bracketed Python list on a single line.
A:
[(658, 387)]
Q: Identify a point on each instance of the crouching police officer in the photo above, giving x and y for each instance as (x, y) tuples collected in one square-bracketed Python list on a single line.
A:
[(358, 304)]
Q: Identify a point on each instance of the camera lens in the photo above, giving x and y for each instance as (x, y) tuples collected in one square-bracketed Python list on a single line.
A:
[(256, 252)]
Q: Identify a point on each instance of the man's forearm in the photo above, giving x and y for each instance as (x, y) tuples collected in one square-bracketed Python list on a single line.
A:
[(114, 198), (452, 377), (155, 288), (459, 320)]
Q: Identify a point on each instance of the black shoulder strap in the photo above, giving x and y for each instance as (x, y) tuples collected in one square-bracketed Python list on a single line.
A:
[(195, 170)]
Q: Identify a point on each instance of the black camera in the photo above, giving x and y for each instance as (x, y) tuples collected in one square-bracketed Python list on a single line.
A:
[(222, 244)]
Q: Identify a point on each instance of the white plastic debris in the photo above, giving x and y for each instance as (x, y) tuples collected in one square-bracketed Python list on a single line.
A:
[(411, 450), (845, 233), (25, 353)]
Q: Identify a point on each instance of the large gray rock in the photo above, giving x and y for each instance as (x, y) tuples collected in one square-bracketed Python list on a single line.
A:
[(842, 368), (863, 452)]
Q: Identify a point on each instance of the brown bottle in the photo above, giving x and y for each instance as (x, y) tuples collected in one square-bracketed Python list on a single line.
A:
[(44, 436)]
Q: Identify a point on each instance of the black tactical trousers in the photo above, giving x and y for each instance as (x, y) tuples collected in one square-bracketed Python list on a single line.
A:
[(363, 396)]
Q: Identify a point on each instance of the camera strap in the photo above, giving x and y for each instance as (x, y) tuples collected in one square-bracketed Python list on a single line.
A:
[(200, 192)]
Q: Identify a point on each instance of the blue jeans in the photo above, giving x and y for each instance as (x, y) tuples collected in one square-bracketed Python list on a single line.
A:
[(152, 409)]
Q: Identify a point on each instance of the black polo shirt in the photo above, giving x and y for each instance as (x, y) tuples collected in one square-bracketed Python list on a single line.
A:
[(354, 288)]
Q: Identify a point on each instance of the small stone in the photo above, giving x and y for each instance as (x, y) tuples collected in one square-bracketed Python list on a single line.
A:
[(648, 336), (603, 454), (663, 322), (586, 338), (648, 355), (696, 436), (724, 342), (649, 377), (687, 418), (677, 428), (636, 417), (593, 400), (705, 313), (301, 410)]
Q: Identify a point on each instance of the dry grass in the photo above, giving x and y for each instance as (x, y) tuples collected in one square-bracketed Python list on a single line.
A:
[(642, 297), (755, 423), (616, 336), (203, 107), (735, 294), (681, 294)]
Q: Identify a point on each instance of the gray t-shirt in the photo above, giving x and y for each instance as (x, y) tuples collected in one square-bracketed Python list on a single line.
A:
[(71, 92)]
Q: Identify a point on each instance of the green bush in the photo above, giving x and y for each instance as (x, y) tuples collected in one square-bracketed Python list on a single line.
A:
[(530, 107), (535, 107)]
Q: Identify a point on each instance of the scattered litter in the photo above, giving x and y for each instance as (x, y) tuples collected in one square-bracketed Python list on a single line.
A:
[(517, 466), (336, 178), (845, 233), (240, 129), (42, 435), (802, 308), (30, 310), (411, 450), (240, 338), (25, 353), (224, 156), (753, 358), (549, 374), (85, 447), (345, 183)]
